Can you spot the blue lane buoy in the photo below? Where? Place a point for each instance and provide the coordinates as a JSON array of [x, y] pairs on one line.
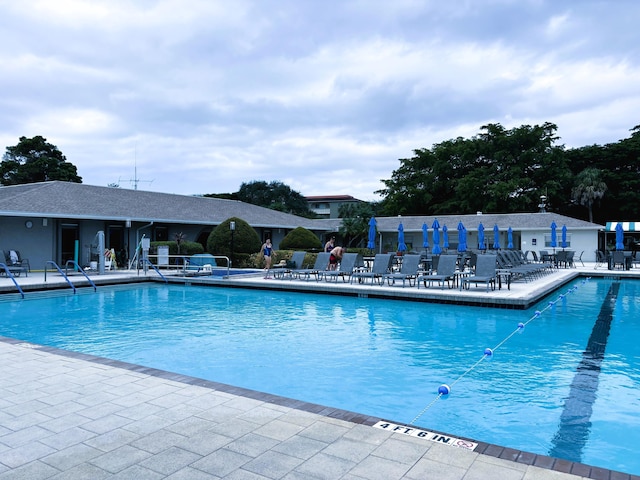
[[488, 352], [520, 325], [444, 389]]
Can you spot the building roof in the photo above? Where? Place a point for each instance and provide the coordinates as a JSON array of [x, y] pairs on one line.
[[81, 201], [332, 198], [517, 221]]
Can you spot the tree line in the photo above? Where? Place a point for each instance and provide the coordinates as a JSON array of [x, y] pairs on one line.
[[522, 169]]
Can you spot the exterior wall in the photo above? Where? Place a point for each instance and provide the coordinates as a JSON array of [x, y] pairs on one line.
[[35, 243], [581, 240]]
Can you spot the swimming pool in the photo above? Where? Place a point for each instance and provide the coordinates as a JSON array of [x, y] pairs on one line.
[[384, 358]]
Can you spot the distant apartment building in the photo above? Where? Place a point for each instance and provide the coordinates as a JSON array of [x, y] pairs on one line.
[[328, 206]]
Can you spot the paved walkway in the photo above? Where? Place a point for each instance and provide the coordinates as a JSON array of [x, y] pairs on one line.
[[65, 415]]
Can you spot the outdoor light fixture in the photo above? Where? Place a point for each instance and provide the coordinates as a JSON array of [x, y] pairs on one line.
[[232, 227]]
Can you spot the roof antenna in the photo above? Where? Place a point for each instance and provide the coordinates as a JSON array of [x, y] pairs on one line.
[[135, 180]]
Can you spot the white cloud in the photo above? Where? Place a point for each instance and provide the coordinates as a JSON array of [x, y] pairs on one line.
[[203, 95]]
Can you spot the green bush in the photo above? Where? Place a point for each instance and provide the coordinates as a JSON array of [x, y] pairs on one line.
[[245, 241], [300, 239], [186, 248]]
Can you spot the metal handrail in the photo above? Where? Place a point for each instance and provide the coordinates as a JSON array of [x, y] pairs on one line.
[[10, 275], [61, 273], [147, 261], [77, 267]]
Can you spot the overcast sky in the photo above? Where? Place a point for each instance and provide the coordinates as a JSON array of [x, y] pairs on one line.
[[325, 96]]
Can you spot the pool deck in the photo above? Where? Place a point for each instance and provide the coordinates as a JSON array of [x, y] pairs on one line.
[[66, 415]]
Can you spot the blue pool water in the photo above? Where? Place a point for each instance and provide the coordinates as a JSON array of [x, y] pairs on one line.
[[577, 360]]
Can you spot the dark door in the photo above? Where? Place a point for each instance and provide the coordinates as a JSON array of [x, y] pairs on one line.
[[70, 234]]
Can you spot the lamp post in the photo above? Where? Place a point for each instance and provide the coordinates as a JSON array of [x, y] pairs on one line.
[[232, 227]]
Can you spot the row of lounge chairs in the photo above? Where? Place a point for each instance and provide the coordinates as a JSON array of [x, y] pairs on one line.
[[382, 271], [485, 270]]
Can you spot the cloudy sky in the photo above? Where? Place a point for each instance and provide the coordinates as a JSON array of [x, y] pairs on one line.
[[198, 96]]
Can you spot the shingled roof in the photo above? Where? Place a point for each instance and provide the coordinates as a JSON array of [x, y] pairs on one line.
[[81, 201], [517, 221], [521, 222], [77, 200]]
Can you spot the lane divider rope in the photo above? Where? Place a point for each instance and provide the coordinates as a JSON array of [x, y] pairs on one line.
[[445, 389]]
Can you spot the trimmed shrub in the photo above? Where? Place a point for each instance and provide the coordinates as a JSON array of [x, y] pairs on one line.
[[245, 241], [300, 239]]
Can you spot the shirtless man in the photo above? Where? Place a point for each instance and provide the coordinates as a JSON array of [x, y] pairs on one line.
[[335, 256]]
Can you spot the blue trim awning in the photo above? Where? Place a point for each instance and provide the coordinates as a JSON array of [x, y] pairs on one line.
[[626, 226]]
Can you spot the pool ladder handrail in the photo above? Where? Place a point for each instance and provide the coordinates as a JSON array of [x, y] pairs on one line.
[[146, 261], [61, 273], [77, 267], [10, 275]]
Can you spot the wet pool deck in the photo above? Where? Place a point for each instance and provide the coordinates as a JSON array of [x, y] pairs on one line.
[[66, 415]]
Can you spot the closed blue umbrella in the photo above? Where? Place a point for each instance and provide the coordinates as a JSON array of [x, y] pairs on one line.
[[510, 237], [402, 247], [619, 237], [481, 244], [436, 237], [445, 237], [554, 235], [425, 236], [462, 238], [372, 234], [496, 237], [563, 243]]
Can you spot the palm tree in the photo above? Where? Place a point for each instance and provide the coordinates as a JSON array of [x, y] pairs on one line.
[[180, 237], [589, 188]]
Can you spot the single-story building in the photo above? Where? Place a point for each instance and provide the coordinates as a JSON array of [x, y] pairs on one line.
[[60, 221], [46, 220], [530, 231]]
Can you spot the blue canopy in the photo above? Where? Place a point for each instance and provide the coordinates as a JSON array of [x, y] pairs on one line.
[[510, 237], [619, 237], [481, 244], [402, 247], [563, 243], [462, 238], [496, 237], [425, 236], [436, 237], [445, 237], [554, 235], [372, 234]]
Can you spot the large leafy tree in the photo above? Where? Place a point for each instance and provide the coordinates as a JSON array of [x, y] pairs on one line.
[[275, 195], [619, 166], [35, 160], [589, 188], [497, 170]]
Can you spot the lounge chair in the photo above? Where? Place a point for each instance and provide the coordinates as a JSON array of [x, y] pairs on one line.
[[347, 266], [408, 271], [485, 273], [445, 272], [15, 263], [290, 266], [381, 265], [320, 265]]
